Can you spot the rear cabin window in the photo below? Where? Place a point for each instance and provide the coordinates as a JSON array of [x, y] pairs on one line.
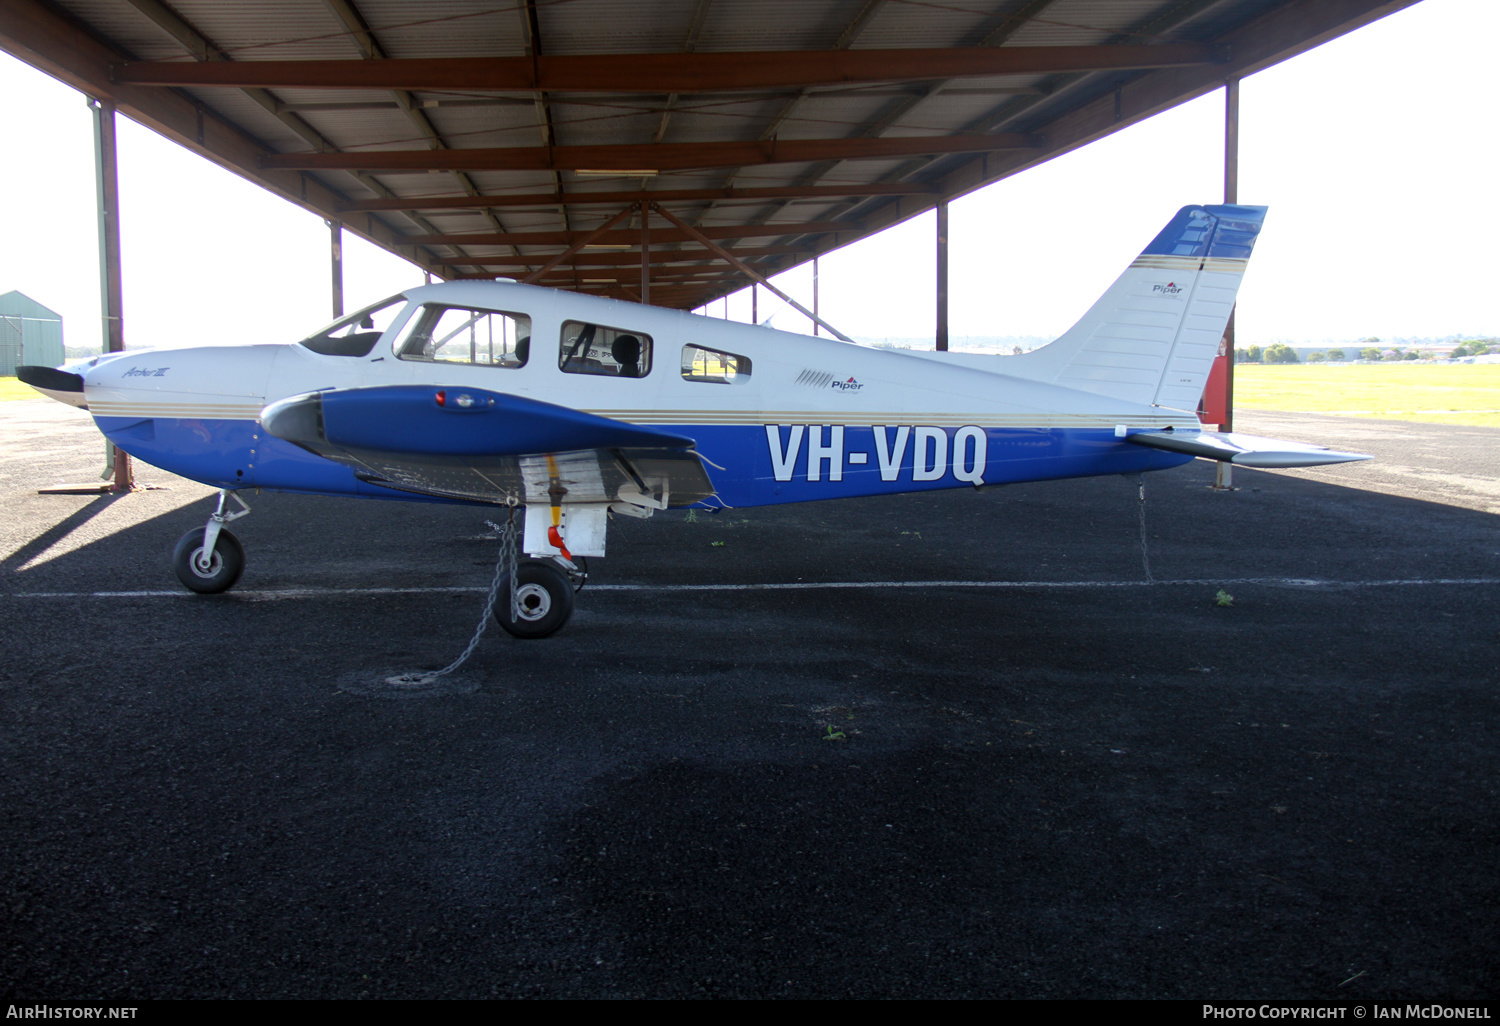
[[699, 364], [455, 334], [357, 334], [596, 349]]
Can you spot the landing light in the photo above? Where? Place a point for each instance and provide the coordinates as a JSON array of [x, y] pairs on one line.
[[442, 398]]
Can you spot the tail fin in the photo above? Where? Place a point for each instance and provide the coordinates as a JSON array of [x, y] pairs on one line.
[[1153, 336]]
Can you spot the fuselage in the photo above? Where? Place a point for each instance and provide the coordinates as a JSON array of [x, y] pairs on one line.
[[778, 417]]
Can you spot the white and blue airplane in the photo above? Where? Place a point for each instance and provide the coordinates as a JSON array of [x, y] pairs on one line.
[[578, 407]]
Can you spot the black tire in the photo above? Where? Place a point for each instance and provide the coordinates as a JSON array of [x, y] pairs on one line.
[[545, 596], [227, 565]]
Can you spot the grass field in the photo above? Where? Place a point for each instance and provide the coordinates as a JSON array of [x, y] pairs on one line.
[[10, 388], [1438, 393]]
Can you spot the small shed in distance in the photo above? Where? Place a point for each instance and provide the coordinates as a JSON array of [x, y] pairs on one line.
[[29, 334]]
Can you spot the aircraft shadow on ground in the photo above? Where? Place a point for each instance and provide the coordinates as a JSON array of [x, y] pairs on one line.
[[1089, 529]]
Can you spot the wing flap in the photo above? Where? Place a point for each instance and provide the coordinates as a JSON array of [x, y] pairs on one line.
[[1244, 450]]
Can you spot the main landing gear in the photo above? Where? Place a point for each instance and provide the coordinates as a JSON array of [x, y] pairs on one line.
[[211, 560], [544, 597]]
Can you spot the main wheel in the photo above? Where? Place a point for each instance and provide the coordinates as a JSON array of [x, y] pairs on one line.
[[223, 569], [544, 596]]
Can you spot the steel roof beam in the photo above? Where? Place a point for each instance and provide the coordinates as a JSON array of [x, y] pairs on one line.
[[993, 33], [700, 14], [668, 72], [876, 92], [628, 237], [651, 156], [659, 257], [369, 48], [548, 199], [620, 258]]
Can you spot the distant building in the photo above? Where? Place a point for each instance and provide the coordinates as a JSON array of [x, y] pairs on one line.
[[29, 334]]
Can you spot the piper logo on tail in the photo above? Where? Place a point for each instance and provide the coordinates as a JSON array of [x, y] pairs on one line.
[[1171, 288]]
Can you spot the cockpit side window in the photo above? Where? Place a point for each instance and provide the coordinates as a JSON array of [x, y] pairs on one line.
[[699, 364], [357, 334], [596, 349], [453, 334]]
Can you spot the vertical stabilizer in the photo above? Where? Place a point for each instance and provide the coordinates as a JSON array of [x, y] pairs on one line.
[[1153, 336]]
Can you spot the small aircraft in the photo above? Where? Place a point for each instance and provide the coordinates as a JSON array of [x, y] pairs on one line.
[[577, 408]]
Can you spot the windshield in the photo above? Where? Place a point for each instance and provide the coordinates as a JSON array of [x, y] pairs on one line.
[[357, 334]]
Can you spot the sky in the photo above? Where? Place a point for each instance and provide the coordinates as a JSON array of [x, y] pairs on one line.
[[1376, 153]]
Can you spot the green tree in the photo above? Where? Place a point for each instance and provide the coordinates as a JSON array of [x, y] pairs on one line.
[[1411, 354], [1336, 354], [1254, 354], [1369, 353], [1280, 353], [1316, 356]]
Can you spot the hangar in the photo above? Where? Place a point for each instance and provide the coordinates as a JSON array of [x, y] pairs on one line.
[[668, 152], [29, 333]]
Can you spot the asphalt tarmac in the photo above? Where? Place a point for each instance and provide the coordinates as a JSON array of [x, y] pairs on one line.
[[995, 762]]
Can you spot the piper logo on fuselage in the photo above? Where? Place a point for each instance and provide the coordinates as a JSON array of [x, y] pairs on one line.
[[930, 452], [846, 386]]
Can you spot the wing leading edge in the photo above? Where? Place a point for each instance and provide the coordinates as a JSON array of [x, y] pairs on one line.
[[473, 444]]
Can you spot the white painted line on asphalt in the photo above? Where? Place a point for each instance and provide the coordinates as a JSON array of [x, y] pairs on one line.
[[1218, 582]]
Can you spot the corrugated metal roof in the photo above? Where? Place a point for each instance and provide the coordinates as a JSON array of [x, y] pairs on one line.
[[527, 186]]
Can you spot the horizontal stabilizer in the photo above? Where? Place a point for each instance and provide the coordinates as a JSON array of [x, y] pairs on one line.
[[1244, 450]]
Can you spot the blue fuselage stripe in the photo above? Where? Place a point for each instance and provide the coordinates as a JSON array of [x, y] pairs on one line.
[[763, 465]]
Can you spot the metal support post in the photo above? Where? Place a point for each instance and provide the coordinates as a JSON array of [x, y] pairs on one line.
[[107, 194], [815, 295], [754, 303], [1224, 477], [942, 276], [645, 253], [336, 254]]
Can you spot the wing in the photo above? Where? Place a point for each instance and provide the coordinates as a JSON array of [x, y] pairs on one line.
[[469, 443]]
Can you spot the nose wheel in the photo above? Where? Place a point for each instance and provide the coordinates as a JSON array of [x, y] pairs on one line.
[[213, 573], [210, 561]]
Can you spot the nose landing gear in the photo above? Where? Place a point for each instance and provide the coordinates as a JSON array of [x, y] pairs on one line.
[[210, 561]]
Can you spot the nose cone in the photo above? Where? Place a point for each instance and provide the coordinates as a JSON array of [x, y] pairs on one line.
[[55, 383]]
